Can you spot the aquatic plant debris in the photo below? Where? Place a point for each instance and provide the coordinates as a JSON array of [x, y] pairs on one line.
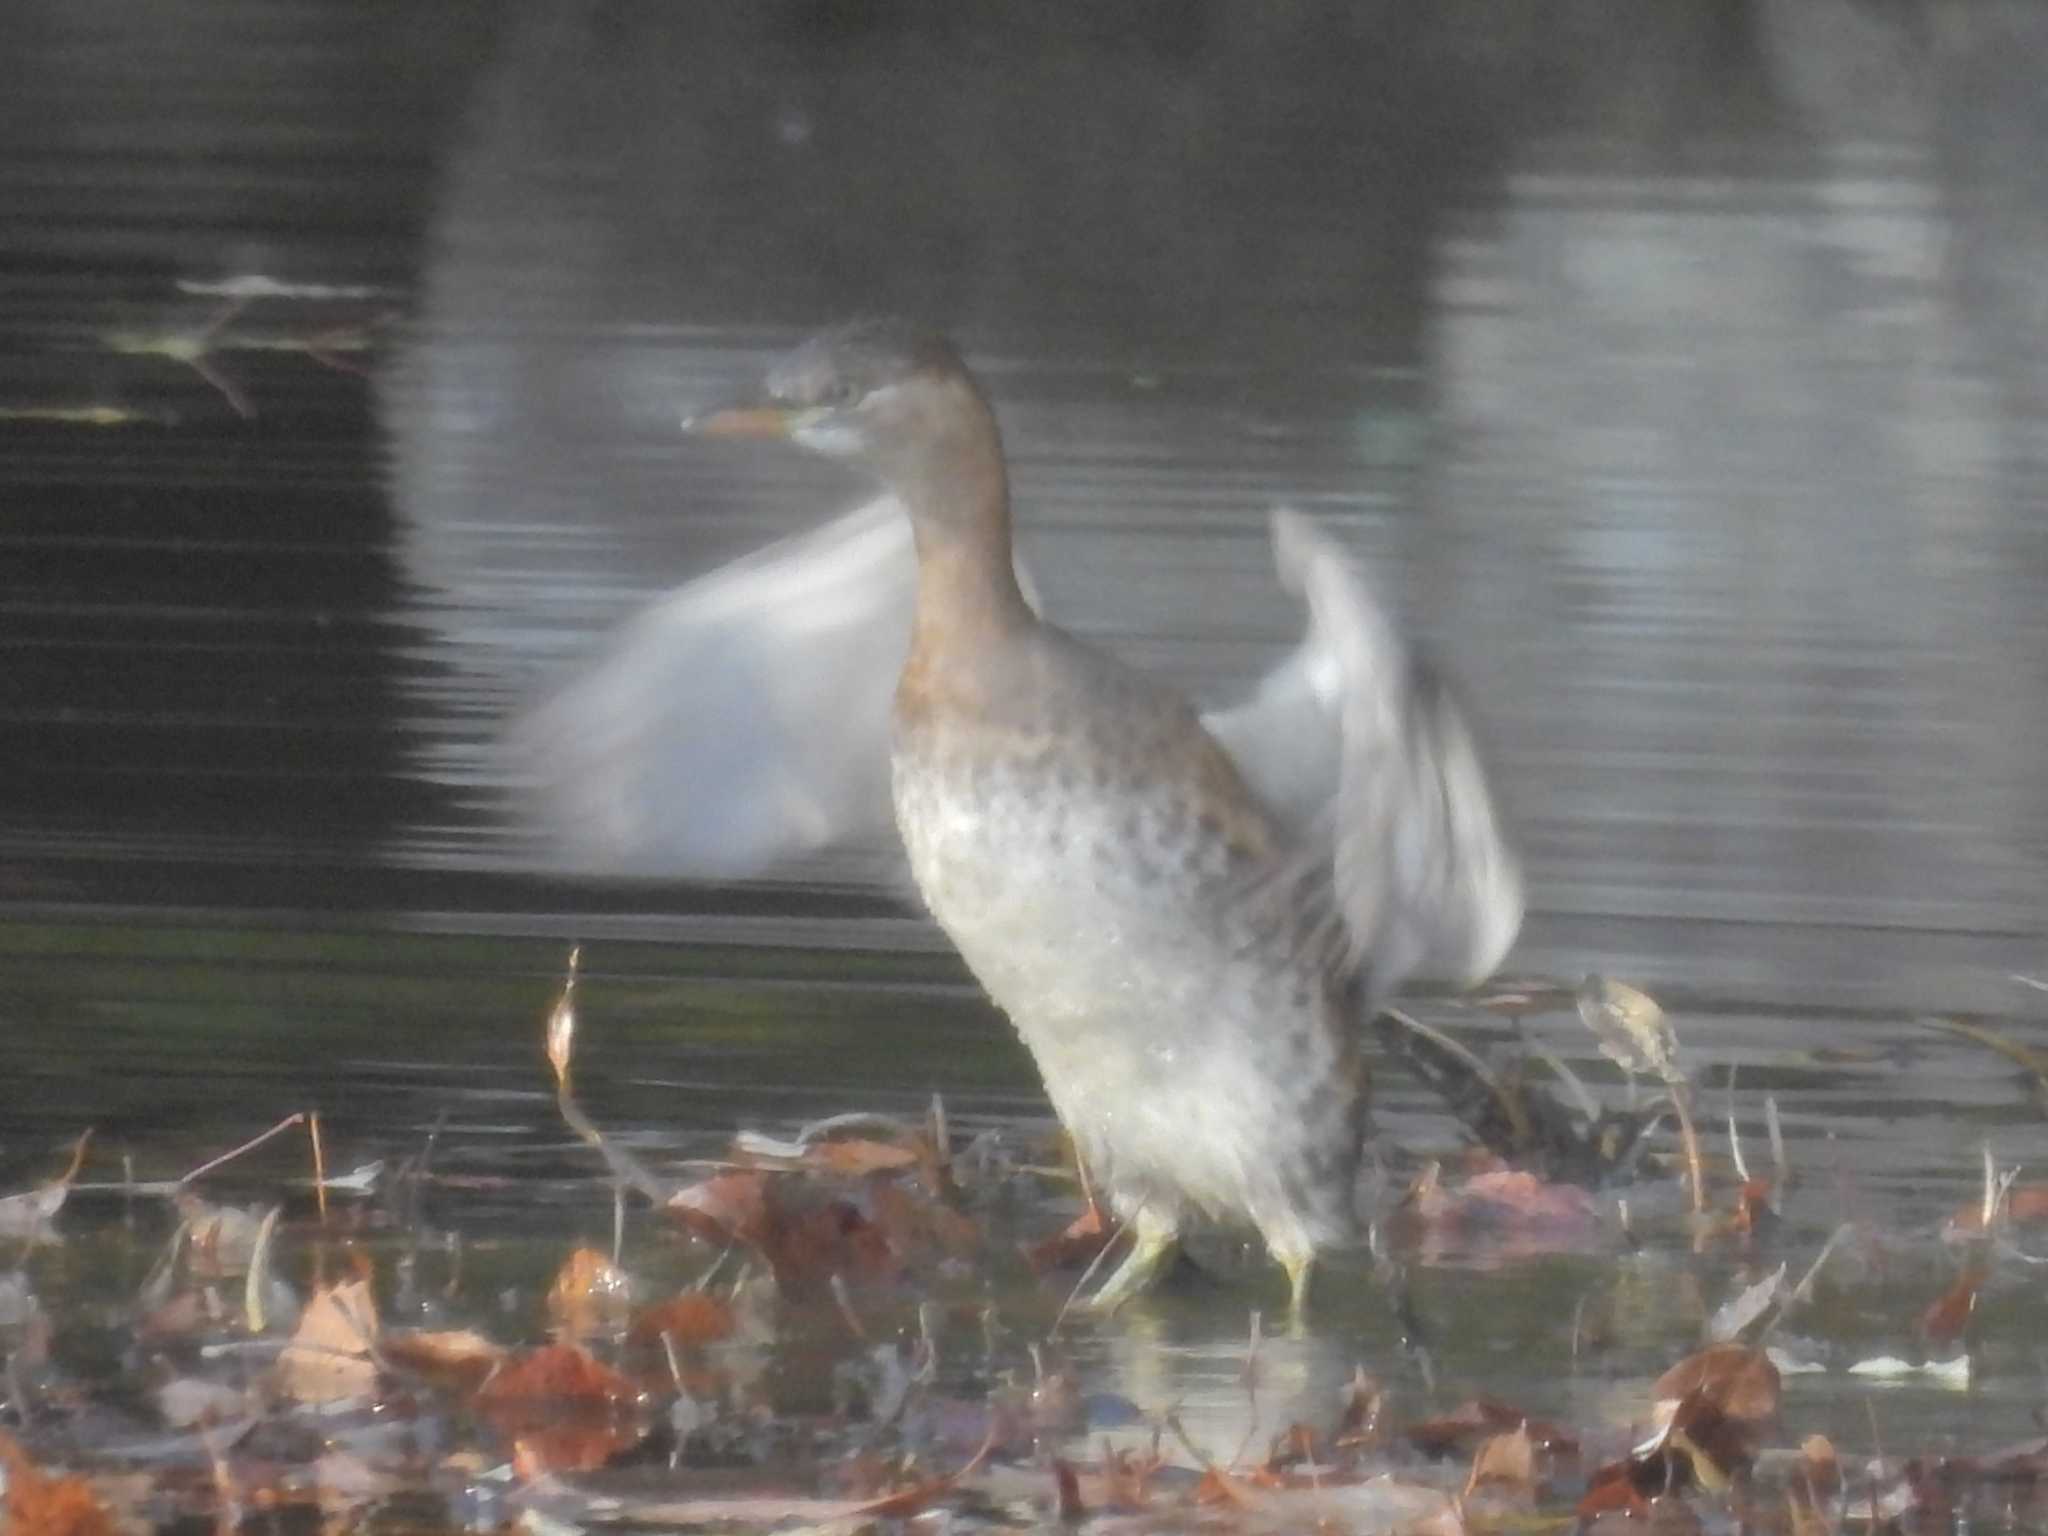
[[853, 1324]]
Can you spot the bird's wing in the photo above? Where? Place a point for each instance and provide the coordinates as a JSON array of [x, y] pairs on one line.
[[738, 722], [1353, 741]]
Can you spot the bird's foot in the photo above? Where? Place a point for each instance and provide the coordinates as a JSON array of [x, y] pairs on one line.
[[1299, 1267], [1152, 1249]]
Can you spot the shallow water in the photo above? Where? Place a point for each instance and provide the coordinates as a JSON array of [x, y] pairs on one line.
[[1684, 394]]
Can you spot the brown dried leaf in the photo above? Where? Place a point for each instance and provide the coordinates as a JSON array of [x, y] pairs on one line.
[[727, 1208], [329, 1357], [562, 1375], [1819, 1467], [1949, 1313], [38, 1504], [1219, 1487], [590, 1295], [1067, 1506], [563, 1410], [1506, 1463], [1479, 1418], [458, 1358], [1468, 1424], [919, 1227], [1075, 1245], [1364, 1403], [856, 1156], [813, 1243], [806, 1234], [693, 1317], [183, 1314], [2024, 1205], [1501, 1213], [1612, 1490], [1738, 1382], [1813, 1487]]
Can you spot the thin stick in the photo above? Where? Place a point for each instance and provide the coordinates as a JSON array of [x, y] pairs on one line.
[[248, 1146], [1691, 1141], [319, 1166], [1093, 1264]]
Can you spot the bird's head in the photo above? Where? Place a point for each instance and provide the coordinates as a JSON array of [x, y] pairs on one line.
[[887, 394]]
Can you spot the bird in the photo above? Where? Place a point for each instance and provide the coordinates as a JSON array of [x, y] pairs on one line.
[[1187, 918]]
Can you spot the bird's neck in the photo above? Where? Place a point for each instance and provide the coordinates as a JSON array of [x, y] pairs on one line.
[[958, 498]]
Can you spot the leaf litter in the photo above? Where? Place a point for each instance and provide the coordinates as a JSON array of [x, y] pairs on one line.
[[872, 1339]]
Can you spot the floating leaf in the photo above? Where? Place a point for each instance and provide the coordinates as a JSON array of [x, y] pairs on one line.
[[1949, 1313], [1080, 1242], [692, 1318], [1738, 1381], [461, 1358], [1505, 1464], [329, 1357], [1631, 1029], [1744, 1308], [39, 1504], [564, 1409], [590, 1295], [26, 1215]]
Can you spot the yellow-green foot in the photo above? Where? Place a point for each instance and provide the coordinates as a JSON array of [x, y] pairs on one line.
[[1299, 1267], [1152, 1249]]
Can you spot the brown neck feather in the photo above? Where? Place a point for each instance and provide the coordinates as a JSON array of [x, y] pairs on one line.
[[959, 503]]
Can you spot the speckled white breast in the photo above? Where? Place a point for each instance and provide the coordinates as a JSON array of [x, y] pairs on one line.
[[1175, 1043]]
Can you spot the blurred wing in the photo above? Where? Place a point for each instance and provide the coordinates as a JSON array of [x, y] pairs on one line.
[[1352, 740], [741, 721]]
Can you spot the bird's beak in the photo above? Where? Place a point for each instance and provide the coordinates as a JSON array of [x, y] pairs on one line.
[[748, 421]]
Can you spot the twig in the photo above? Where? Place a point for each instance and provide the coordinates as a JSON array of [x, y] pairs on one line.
[[319, 1166], [248, 1146]]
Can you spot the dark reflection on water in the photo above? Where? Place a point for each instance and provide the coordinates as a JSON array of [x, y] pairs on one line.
[[1677, 370]]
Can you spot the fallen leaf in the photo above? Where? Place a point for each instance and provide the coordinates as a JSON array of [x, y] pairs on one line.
[[919, 1228], [691, 1318], [1746, 1306], [856, 1156], [329, 1357], [1738, 1381], [220, 1239], [27, 1214], [458, 1358], [1630, 1028], [39, 1504], [805, 1235], [1479, 1418], [590, 1295], [1505, 1463], [1067, 1506], [1075, 1245], [1501, 1214], [727, 1208], [1359, 1422], [1612, 1490], [2024, 1205], [562, 1409], [560, 1374], [1949, 1313]]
